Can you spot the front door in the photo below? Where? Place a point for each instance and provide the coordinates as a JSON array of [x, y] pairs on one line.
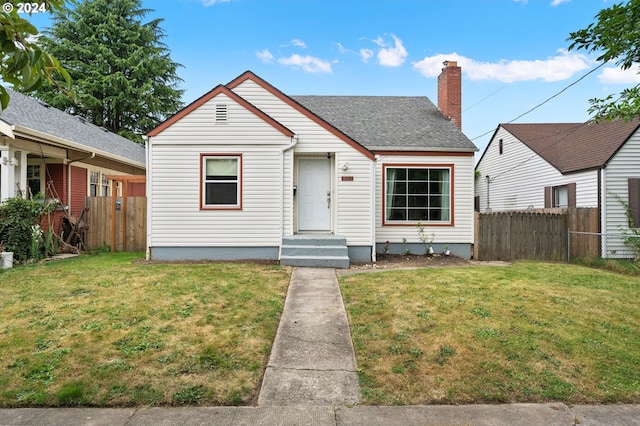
[[314, 194]]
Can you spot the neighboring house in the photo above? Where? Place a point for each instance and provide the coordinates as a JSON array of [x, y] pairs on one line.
[[45, 150], [564, 165], [246, 167]]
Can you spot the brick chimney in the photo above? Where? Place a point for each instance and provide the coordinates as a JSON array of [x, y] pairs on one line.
[[450, 92]]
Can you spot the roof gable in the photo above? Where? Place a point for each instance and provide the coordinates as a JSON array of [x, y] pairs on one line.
[[30, 114], [212, 94], [571, 147], [248, 75], [367, 123]]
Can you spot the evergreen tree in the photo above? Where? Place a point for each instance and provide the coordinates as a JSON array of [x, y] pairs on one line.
[[124, 78]]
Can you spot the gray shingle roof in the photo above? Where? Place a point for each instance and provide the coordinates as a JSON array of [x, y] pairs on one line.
[[36, 115], [396, 123]]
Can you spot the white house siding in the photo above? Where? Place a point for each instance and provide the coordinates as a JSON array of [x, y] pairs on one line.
[[458, 237], [518, 177], [174, 189], [352, 216], [624, 165]]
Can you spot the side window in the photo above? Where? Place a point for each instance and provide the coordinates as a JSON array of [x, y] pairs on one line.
[[104, 185], [94, 181], [221, 181], [33, 179], [634, 202], [560, 196]]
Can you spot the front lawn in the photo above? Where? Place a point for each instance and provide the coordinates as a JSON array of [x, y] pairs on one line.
[[110, 330], [528, 332]]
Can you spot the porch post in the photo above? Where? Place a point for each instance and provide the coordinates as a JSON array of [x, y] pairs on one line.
[[7, 173]]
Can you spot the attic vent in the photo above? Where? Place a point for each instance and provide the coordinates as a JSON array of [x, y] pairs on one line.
[[222, 114]]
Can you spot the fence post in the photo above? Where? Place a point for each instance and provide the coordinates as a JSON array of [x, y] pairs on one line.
[[568, 245]]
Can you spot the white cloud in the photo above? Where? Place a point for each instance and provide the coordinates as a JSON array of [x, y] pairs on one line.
[[307, 63], [619, 76], [555, 3], [555, 68], [298, 43], [366, 54], [390, 55], [208, 3], [265, 56]]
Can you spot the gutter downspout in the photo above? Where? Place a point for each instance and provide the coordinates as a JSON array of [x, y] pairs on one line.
[[488, 207], [602, 223], [92, 155], [294, 142], [374, 184], [147, 192]]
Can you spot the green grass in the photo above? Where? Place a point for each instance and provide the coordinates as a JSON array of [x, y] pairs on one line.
[[622, 266], [112, 330], [528, 332]]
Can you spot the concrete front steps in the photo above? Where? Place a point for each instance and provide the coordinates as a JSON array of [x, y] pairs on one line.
[[314, 250]]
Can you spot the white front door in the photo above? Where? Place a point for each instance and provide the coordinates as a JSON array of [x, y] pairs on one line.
[[314, 194]]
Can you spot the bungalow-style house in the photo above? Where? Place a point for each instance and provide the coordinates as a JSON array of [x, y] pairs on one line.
[[246, 171], [559, 165], [47, 151]]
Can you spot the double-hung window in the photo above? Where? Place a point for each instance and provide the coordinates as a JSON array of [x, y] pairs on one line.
[[94, 179], [104, 185], [560, 197], [33, 179], [418, 194], [221, 181]]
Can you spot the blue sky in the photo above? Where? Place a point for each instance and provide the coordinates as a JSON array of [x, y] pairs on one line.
[[513, 53]]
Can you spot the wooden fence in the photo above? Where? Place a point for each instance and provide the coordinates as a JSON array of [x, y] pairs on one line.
[[98, 224], [534, 235]]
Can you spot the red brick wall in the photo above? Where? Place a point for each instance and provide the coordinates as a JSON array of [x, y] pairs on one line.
[[450, 92]]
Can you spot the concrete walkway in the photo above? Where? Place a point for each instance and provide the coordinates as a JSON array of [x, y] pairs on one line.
[[312, 361]]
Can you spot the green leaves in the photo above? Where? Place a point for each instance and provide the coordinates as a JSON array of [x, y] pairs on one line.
[[23, 63], [616, 36]]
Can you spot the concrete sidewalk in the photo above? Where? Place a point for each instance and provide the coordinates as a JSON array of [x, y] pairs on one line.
[[495, 415], [312, 361]]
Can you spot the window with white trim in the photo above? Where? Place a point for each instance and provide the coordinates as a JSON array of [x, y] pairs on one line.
[[34, 179], [221, 183], [560, 196], [416, 193], [104, 185], [94, 183]]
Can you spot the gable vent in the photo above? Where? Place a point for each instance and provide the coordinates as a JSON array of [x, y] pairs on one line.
[[222, 114]]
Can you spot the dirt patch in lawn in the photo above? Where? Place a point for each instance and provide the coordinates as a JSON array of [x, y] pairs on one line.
[[404, 261]]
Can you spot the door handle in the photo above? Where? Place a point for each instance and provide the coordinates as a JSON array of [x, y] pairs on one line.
[[328, 199]]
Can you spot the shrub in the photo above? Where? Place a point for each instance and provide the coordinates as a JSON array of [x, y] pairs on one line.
[[18, 217]]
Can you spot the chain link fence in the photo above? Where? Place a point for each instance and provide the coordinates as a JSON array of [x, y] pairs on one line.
[[606, 246]]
